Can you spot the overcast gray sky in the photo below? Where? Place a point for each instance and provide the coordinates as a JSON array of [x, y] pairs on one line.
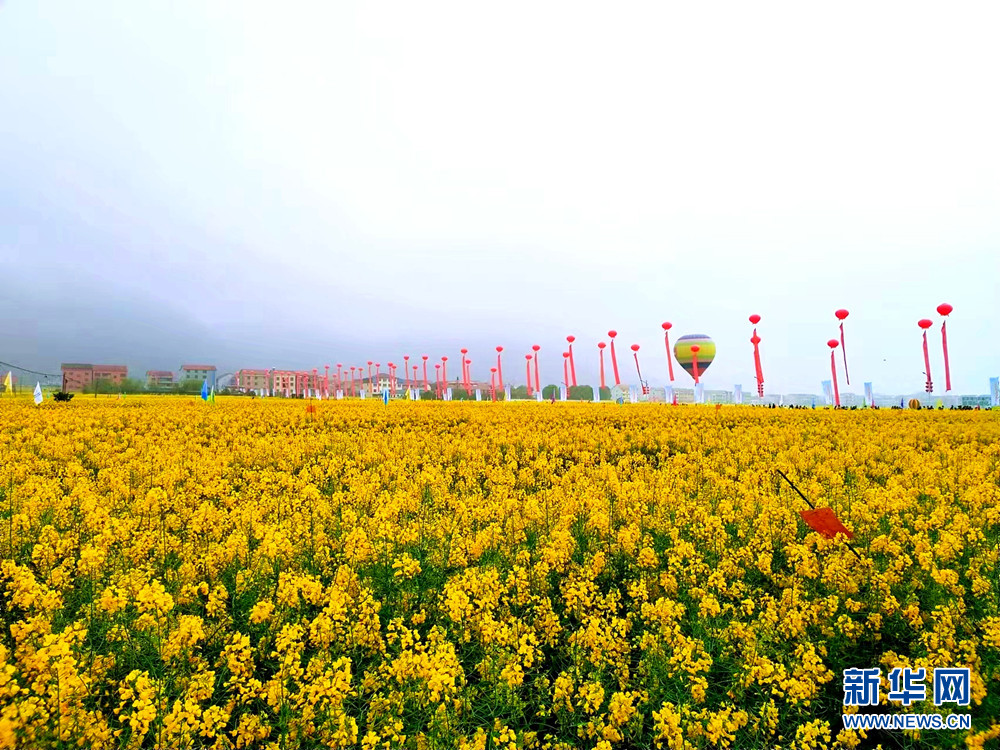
[[293, 184]]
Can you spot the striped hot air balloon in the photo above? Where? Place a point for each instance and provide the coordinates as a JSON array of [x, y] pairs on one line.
[[694, 353]]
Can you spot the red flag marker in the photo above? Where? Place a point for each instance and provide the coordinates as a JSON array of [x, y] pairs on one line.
[[499, 368], [821, 520], [527, 371], [824, 521]]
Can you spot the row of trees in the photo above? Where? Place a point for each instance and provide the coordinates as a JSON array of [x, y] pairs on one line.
[[135, 385]]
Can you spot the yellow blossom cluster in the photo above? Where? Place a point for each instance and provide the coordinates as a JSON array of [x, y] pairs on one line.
[[457, 575]]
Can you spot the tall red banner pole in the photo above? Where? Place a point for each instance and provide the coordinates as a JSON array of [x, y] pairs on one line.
[[406, 370], [426, 384], [572, 364], [635, 353], [600, 348], [493, 384], [944, 310], [759, 371], [527, 372], [694, 361], [444, 375], [833, 343], [499, 368], [340, 376], [842, 316], [666, 341], [925, 324], [538, 386], [566, 372], [614, 359], [465, 376]]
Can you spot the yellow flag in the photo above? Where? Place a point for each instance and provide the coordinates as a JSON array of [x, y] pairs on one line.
[[8, 382]]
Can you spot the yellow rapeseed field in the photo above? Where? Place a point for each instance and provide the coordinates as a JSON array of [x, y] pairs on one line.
[[446, 575]]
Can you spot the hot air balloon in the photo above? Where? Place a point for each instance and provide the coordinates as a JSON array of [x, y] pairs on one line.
[[694, 352], [944, 310]]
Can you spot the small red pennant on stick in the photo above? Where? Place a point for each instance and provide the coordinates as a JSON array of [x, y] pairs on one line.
[[824, 521]]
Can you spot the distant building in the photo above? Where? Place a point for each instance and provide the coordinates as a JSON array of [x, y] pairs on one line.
[[76, 377], [981, 401], [251, 380], [803, 399], [159, 378], [718, 397], [200, 373], [851, 399]]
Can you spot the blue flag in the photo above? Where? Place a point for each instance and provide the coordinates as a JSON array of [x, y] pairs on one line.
[[204, 390]]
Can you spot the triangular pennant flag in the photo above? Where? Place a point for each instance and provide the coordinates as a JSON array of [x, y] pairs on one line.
[[824, 521], [204, 390], [38, 393]]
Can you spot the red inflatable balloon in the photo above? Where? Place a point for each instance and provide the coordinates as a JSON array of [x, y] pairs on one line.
[[755, 319], [924, 323], [841, 314], [666, 326], [635, 347], [833, 343], [944, 309]]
